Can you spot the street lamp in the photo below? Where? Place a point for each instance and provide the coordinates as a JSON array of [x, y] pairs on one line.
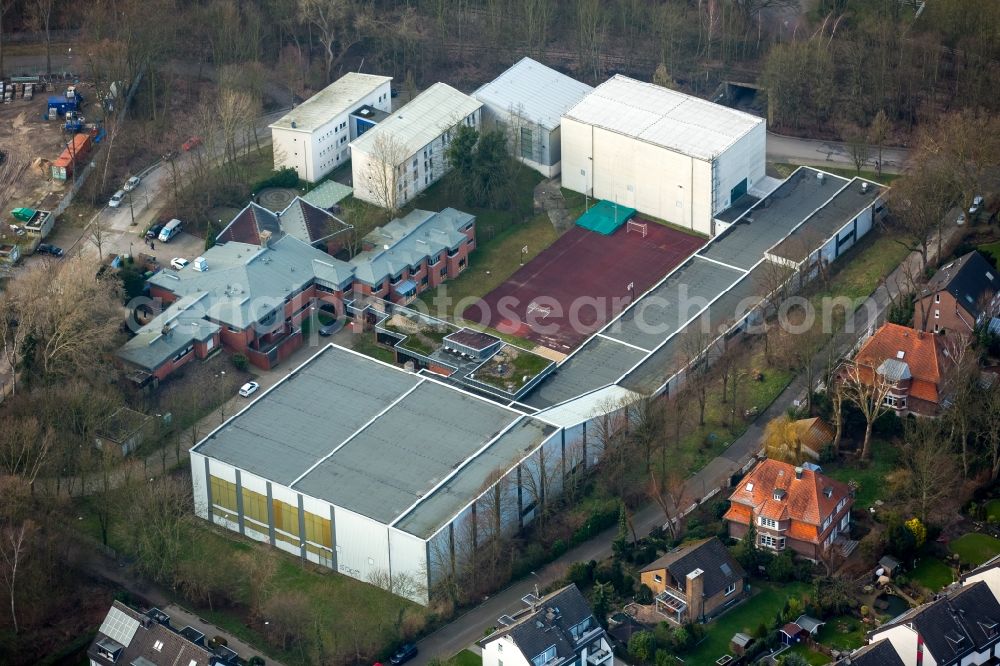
[[131, 210], [524, 251]]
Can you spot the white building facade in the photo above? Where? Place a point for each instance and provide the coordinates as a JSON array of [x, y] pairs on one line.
[[380, 474], [314, 137], [666, 154], [526, 102], [405, 153]]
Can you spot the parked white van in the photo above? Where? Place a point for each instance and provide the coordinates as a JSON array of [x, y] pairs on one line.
[[170, 229]]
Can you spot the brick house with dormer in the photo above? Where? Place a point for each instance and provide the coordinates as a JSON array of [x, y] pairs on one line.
[[791, 508], [914, 362], [960, 296]]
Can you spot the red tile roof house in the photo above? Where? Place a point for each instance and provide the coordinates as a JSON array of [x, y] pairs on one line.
[[914, 361], [791, 508], [959, 297]]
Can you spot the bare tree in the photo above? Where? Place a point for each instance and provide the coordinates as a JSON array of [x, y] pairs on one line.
[[24, 447], [694, 347], [927, 465], [384, 171], [260, 566], [339, 26], [867, 389], [39, 15], [988, 427], [14, 543], [860, 151], [877, 134], [160, 514], [919, 202]]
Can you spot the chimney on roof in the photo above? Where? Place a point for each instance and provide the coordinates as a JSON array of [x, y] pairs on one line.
[[798, 472], [265, 238], [920, 334], [695, 594]]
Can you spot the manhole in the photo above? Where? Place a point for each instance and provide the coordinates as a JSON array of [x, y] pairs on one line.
[[276, 198]]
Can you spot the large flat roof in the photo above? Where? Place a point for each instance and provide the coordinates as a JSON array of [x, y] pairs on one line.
[[773, 217], [641, 348], [376, 440], [828, 220], [339, 97], [667, 118], [422, 120], [533, 91]]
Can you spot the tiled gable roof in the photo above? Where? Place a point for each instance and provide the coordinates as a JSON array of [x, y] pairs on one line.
[[710, 555], [968, 279], [150, 643], [248, 224], [880, 653], [922, 352], [805, 499]]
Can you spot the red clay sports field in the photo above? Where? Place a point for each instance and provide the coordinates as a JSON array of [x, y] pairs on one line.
[[581, 282]]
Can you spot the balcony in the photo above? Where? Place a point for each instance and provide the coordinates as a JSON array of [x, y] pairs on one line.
[[600, 657]]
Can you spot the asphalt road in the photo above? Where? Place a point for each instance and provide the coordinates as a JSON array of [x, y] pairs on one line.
[[814, 152]]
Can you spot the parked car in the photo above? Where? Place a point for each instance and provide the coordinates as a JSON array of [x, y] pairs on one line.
[[191, 143], [179, 263], [329, 329], [45, 248], [405, 653], [249, 389], [961, 219], [116, 199], [154, 231], [977, 204], [131, 183], [169, 230]]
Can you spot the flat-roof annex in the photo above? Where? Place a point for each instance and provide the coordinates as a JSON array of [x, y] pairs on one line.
[[533, 91], [663, 117], [375, 439], [339, 97], [422, 120]]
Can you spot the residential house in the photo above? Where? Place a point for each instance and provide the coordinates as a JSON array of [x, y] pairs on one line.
[[791, 508], [912, 361], [130, 638], [556, 630], [527, 102], [960, 627], [314, 137], [959, 297], [695, 582], [404, 154], [301, 219]]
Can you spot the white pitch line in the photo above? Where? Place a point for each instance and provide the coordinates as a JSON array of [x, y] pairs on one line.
[[716, 261], [627, 344]]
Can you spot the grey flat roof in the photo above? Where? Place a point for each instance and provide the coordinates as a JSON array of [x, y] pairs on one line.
[[308, 413], [536, 92], [844, 207], [660, 312], [340, 96], [375, 439], [438, 508], [772, 218], [730, 307], [405, 452], [597, 363]]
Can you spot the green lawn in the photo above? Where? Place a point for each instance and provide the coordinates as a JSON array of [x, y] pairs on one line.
[[993, 509], [767, 600], [975, 548], [493, 261], [861, 268], [842, 633], [992, 248], [870, 477], [932, 574], [364, 343], [466, 658], [886, 178], [811, 656]]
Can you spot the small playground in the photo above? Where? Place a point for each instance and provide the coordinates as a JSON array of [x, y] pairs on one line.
[[584, 279]]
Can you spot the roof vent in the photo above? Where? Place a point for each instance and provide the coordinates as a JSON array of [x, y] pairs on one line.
[[864, 188], [294, 125], [798, 472], [779, 494], [900, 354], [750, 487], [820, 177]]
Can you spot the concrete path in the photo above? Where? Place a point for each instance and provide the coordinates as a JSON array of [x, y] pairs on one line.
[[815, 152], [469, 627], [549, 197]]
